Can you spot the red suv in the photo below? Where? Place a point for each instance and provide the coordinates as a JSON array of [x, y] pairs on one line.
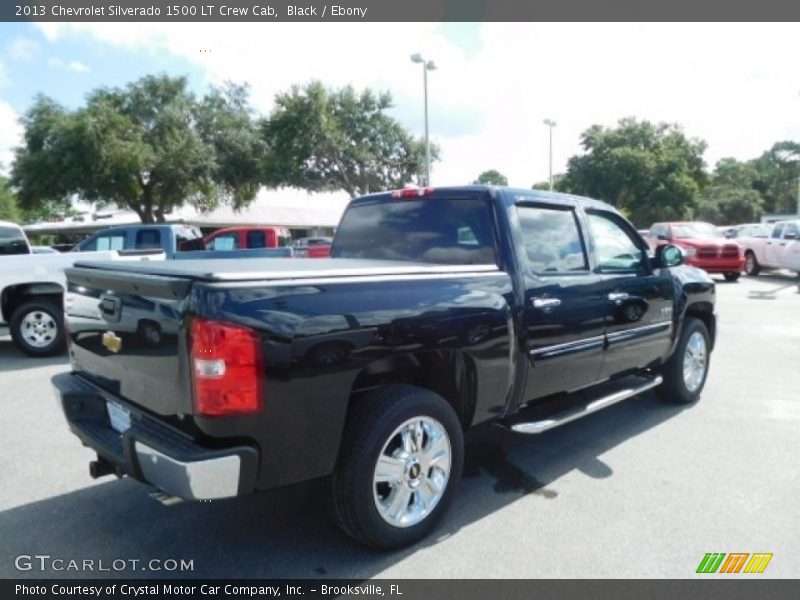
[[703, 246]]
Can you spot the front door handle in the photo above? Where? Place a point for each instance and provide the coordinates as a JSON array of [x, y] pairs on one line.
[[546, 302], [618, 296]]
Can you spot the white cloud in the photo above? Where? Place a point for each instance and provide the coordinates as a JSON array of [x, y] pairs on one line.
[[10, 135], [22, 49], [487, 106], [71, 65]]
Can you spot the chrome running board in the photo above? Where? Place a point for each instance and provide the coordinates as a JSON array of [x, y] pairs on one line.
[[572, 414]]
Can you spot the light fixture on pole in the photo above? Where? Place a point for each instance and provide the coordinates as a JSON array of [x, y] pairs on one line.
[[427, 65], [550, 123]]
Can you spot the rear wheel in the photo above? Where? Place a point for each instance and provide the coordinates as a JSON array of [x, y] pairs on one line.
[[399, 467], [751, 266], [731, 276], [37, 328], [686, 370], [150, 334]]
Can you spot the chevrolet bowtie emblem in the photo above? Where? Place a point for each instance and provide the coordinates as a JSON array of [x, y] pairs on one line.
[[112, 341]]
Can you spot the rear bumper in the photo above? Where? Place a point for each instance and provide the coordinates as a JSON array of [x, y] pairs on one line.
[[153, 451]]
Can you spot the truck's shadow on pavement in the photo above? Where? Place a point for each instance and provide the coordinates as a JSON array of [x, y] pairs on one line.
[[12, 359], [287, 533]]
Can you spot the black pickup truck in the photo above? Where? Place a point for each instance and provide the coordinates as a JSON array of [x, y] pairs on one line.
[[440, 309]]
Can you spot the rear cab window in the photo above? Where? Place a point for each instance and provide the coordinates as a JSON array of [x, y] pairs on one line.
[[12, 241], [452, 231]]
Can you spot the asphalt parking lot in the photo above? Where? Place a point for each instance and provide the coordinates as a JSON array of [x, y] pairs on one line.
[[642, 489]]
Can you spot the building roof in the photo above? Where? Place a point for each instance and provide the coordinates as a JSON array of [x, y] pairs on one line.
[[288, 207]]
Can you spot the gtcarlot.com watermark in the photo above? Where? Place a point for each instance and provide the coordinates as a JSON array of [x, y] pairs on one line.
[[48, 563]]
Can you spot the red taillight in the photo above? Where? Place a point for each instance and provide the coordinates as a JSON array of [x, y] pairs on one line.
[[412, 192], [227, 368]]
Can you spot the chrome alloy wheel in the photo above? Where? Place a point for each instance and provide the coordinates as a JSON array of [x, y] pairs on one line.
[[39, 329], [412, 471], [695, 361]]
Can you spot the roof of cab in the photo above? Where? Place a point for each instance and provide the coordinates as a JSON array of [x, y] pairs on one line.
[[509, 195]]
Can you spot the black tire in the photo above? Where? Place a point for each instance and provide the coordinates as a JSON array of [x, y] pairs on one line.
[[52, 337], [751, 266], [732, 276], [368, 433], [675, 388]]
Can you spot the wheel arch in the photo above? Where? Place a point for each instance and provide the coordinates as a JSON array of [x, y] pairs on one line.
[[449, 373], [13, 296], [704, 311]]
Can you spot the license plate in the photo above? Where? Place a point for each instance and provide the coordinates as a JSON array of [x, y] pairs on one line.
[[119, 416]]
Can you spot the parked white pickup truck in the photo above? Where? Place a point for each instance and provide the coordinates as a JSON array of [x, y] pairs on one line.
[[781, 250], [32, 290]]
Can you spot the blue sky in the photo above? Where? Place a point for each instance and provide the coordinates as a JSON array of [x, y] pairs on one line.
[[494, 85], [70, 68]]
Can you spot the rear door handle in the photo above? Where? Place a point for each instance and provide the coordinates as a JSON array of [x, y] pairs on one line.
[[546, 302], [618, 296]]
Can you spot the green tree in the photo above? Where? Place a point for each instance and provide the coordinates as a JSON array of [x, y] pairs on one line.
[[8, 203], [779, 177], [648, 171], [150, 147], [730, 197], [322, 139], [491, 177]]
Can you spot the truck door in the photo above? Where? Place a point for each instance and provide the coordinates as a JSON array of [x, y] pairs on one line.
[[564, 302], [788, 247], [772, 247], [638, 300]]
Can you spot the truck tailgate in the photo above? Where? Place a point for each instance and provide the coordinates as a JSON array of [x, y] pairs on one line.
[[124, 335]]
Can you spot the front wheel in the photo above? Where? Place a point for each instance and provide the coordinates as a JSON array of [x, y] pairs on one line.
[[751, 266], [686, 370], [731, 276], [400, 465], [37, 328]]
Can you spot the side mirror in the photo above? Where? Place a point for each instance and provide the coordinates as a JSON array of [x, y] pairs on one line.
[[662, 237], [668, 256], [790, 236]]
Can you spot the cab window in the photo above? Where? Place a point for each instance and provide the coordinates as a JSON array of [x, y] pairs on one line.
[[104, 242], [552, 239], [256, 239], [777, 233], [227, 241], [148, 239], [614, 245], [12, 241]]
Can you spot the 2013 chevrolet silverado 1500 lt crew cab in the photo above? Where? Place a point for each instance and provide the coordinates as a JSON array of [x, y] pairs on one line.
[[440, 309]]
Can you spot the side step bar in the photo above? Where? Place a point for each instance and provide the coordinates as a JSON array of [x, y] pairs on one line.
[[558, 419]]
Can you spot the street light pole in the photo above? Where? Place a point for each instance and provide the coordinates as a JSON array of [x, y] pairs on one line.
[[427, 65], [550, 123]]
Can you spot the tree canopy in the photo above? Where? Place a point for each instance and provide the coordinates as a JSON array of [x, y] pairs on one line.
[[8, 203], [730, 196], [491, 177], [779, 177], [648, 171], [151, 147], [323, 139]]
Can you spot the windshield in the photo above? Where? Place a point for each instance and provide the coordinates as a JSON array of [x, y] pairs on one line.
[[695, 230], [453, 231], [754, 231]]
